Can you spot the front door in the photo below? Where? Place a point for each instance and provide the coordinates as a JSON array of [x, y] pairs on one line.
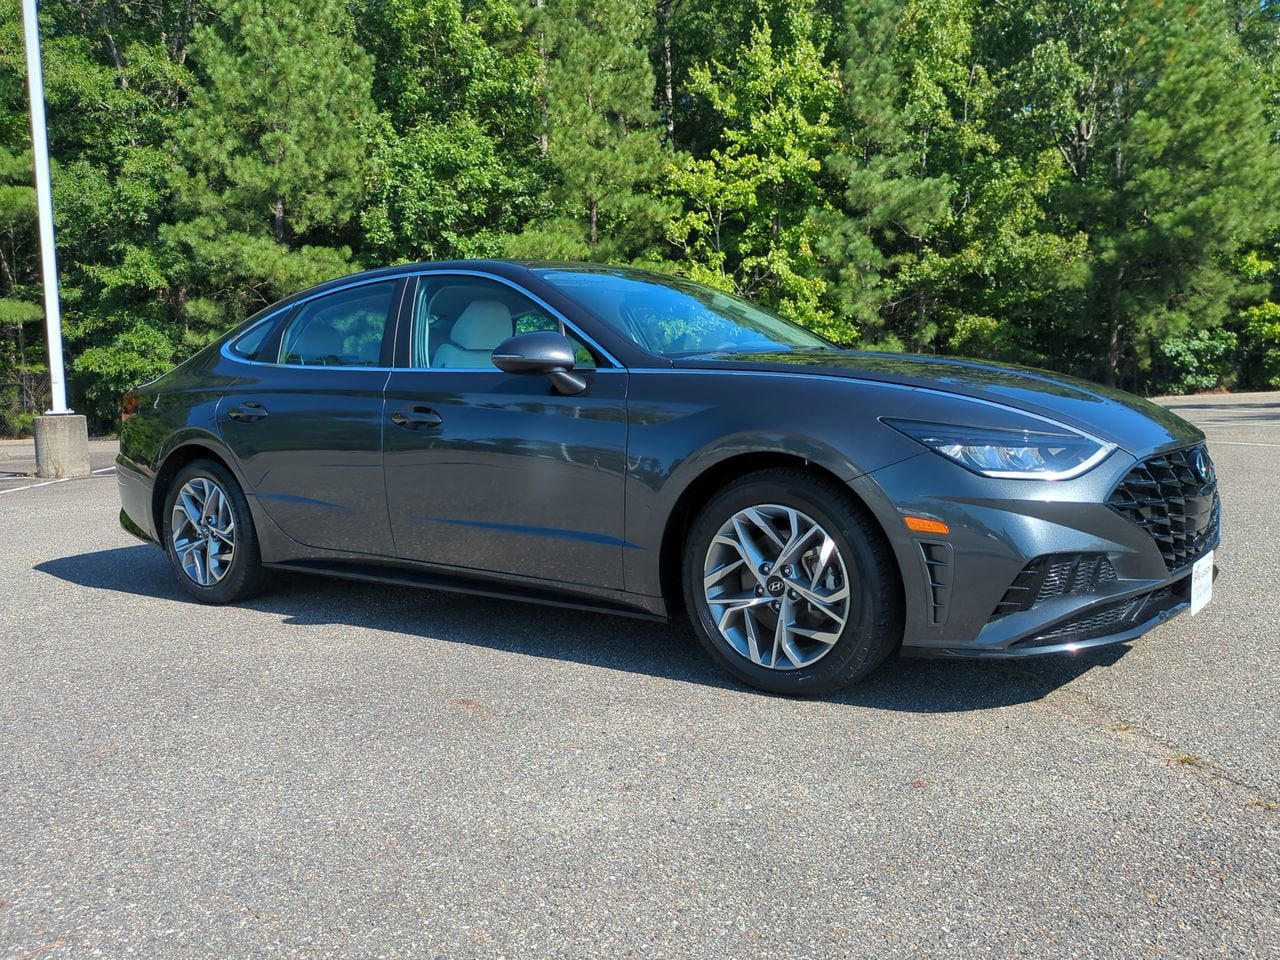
[[498, 472]]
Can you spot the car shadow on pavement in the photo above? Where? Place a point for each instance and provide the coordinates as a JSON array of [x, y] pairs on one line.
[[616, 643]]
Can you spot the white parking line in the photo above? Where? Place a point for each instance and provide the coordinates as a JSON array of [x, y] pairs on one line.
[[1243, 443], [32, 486], [49, 483]]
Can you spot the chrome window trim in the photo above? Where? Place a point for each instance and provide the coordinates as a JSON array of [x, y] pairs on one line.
[[275, 315], [589, 341]]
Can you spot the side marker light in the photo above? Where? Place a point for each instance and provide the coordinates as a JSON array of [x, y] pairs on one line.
[[923, 525]]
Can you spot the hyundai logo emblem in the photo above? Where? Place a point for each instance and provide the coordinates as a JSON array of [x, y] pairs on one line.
[[1202, 466]]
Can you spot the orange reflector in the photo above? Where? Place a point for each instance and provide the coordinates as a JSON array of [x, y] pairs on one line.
[[921, 525]]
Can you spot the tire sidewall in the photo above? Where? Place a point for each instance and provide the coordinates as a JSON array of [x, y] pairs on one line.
[[856, 652]]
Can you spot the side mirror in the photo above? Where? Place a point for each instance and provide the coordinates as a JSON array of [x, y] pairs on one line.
[[543, 351]]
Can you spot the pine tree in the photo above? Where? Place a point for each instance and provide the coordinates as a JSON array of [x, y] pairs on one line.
[[1168, 165], [457, 164], [275, 151], [891, 203], [748, 221], [600, 132]]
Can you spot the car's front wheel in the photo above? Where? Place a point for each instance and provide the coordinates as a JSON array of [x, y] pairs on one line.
[[209, 535], [790, 584]]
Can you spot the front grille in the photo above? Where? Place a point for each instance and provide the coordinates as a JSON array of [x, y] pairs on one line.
[[1055, 575], [1110, 619], [1174, 498]]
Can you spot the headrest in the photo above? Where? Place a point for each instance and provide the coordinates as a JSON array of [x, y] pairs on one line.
[[318, 340], [483, 325]]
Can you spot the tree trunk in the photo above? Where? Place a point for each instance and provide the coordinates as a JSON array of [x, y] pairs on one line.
[[595, 220], [668, 77], [544, 139], [277, 220], [1109, 375]]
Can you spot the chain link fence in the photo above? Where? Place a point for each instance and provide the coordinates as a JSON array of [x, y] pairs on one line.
[[23, 397]]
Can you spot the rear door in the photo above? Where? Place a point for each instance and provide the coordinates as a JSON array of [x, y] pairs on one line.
[[306, 425], [498, 472]]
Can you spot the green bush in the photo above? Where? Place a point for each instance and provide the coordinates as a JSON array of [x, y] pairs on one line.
[[1194, 362], [1260, 349]]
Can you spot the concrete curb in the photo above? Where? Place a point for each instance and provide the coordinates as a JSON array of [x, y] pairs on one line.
[[17, 449], [26, 449]]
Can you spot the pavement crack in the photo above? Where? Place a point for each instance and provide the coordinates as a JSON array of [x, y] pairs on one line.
[[1080, 706]]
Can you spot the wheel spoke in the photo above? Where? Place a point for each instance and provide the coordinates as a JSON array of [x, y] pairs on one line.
[[822, 636], [214, 505], [780, 632], [824, 603], [740, 601], [753, 514], [825, 553], [747, 547], [753, 637], [720, 572], [798, 540], [194, 510], [195, 564]]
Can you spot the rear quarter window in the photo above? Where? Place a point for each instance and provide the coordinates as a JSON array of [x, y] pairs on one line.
[[248, 346]]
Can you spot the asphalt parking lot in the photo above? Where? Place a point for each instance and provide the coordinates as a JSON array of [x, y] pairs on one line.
[[344, 770]]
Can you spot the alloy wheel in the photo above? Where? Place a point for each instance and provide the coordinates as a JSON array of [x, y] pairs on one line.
[[203, 531], [777, 587]]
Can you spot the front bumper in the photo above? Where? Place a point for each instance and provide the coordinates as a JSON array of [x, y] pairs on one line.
[[1118, 622], [1039, 567]]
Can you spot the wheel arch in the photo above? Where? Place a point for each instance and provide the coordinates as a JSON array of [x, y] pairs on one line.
[[698, 492], [174, 460]]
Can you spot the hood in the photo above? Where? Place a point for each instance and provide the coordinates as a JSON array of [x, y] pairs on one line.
[[1130, 422]]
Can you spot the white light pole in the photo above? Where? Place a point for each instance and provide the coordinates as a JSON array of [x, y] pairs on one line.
[[62, 441]]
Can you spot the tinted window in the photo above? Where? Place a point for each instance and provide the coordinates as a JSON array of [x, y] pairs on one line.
[[343, 329], [457, 321], [672, 316], [249, 345]]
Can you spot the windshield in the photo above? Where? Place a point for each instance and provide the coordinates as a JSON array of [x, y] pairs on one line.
[[673, 317]]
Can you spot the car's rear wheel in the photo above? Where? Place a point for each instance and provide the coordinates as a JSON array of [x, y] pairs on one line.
[[209, 535], [790, 584]]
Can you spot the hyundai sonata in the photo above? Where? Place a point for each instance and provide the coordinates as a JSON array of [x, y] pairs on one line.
[[638, 444]]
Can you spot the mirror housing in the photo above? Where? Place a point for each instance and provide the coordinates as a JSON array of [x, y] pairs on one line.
[[542, 351]]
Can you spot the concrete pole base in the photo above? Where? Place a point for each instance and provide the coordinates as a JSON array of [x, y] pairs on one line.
[[62, 446]]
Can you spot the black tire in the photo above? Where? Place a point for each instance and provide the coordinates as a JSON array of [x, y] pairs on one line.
[[872, 628], [242, 576]]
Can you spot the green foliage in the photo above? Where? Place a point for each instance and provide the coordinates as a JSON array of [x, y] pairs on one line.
[[598, 133], [1194, 362], [748, 221], [455, 167], [1091, 186], [277, 143], [1262, 356], [1166, 154]]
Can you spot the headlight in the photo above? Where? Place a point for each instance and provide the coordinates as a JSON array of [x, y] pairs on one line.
[[1048, 454]]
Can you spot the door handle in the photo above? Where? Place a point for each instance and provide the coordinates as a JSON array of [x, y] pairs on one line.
[[250, 411], [415, 418]]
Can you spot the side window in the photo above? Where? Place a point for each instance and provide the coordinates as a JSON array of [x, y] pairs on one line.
[[250, 344], [343, 329], [457, 321]]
